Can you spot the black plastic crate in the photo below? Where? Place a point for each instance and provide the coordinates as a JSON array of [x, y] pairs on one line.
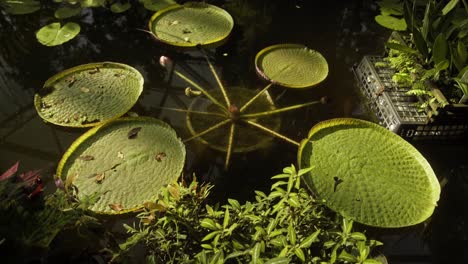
[[398, 112]]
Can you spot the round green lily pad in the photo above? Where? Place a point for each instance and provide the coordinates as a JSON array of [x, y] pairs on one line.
[[246, 138], [89, 94], [291, 65], [369, 174], [54, 34], [127, 161], [191, 24]]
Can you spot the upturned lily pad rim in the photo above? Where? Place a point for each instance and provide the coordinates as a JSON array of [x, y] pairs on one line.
[[433, 182], [264, 51], [210, 44], [88, 134], [79, 68]]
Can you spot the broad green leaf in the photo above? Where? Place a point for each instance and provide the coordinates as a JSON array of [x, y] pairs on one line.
[[191, 24], [234, 203], [426, 21], [66, 12], [420, 43], [20, 7], [371, 261], [358, 236], [291, 65], [211, 235], [156, 5], [226, 219], [209, 224], [309, 240], [462, 52], [255, 253], [390, 7], [345, 256], [120, 8], [89, 94], [278, 260], [300, 254], [366, 157], [218, 258], [54, 34], [293, 201], [123, 169], [402, 48], [391, 22], [442, 65], [440, 49], [292, 234], [236, 254], [450, 5]]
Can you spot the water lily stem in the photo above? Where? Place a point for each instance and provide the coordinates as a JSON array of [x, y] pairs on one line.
[[192, 112], [271, 132], [255, 97], [198, 87], [279, 110], [208, 130], [229, 146], [218, 80]]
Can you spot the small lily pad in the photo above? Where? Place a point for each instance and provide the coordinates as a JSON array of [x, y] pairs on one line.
[[54, 34], [120, 8], [21, 7], [191, 24], [66, 12], [89, 94], [291, 65], [369, 174], [127, 173], [155, 5]]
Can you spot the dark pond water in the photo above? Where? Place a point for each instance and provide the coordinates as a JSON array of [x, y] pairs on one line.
[[343, 31]]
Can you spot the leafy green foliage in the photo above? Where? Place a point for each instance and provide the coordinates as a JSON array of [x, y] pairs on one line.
[[28, 221], [20, 7], [285, 226]]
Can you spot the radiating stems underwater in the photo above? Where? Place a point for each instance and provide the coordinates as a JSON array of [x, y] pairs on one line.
[[271, 132], [198, 87], [218, 80], [280, 110], [255, 97], [229, 146], [191, 111], [208, 130]]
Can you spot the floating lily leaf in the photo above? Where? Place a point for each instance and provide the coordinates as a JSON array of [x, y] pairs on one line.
[[120, 8], [391, 22], [133, 180], [92, 3], [66, 12], [191, 24], [53, 34], [155, 5], [291, 65], [20, 7], [88, 94], [369, 174], [246, 138]]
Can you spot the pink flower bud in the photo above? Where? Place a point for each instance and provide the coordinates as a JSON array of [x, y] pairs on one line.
[[165, 61]]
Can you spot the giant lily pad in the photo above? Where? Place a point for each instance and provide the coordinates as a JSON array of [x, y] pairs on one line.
[[246, 138], [54, 34], [291, 65], [191, 24], [369, 174], [127, 161], [89, 94]]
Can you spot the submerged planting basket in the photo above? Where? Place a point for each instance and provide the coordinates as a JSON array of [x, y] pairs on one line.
[[398, 112]]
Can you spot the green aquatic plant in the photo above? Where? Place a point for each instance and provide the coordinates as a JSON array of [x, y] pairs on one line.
[[367, 173], [29, 219], [127, 161], [233, 113], [191, 24], [89, 94], [286, 225], [54, 34], [291, 65]]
